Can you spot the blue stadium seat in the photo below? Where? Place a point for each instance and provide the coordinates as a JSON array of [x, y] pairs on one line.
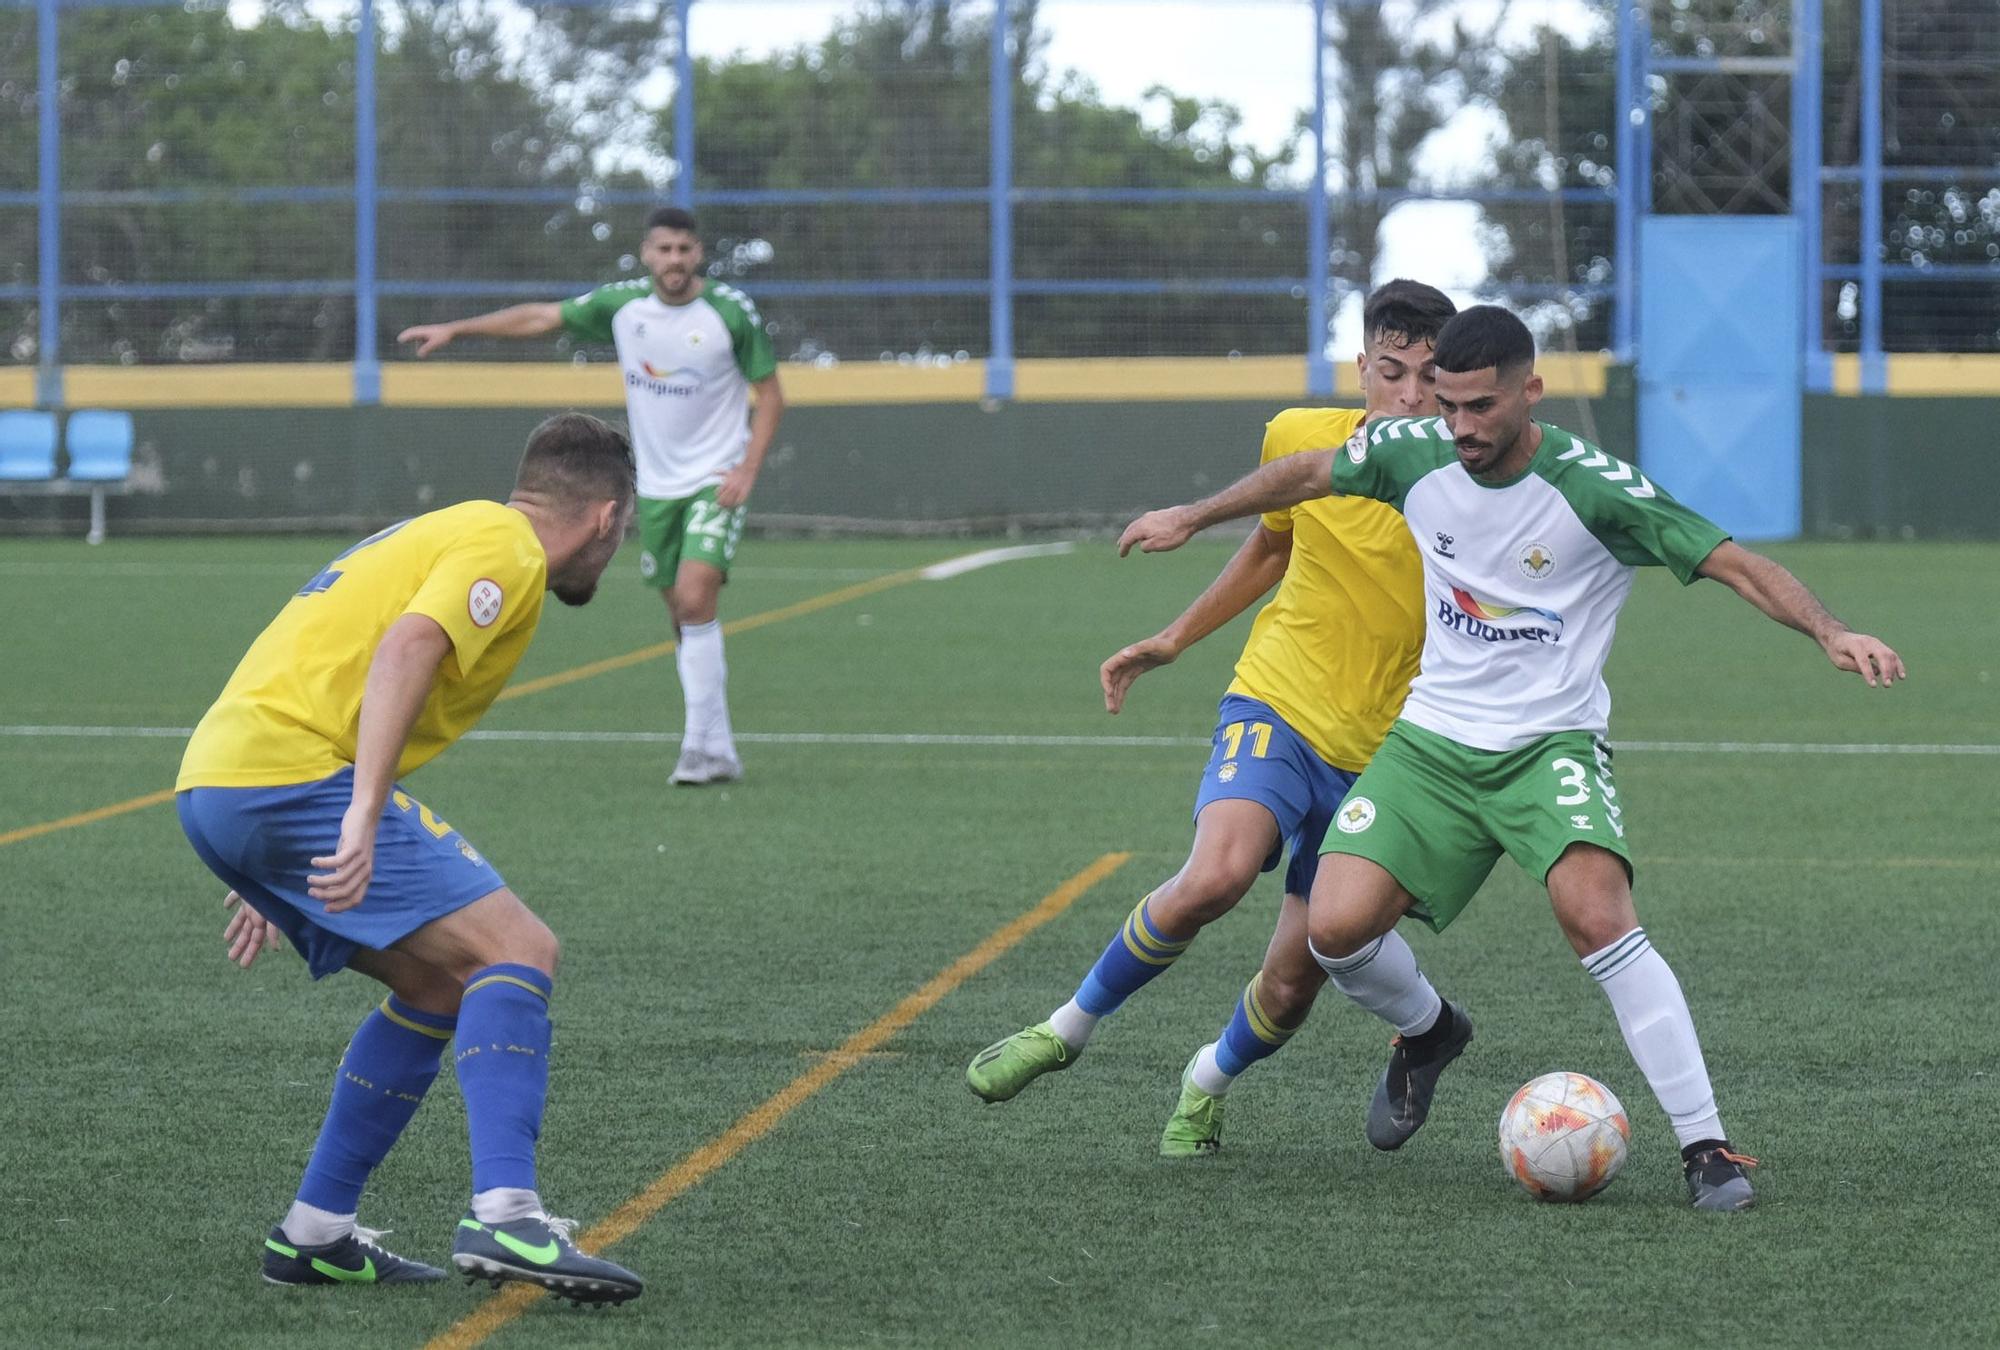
[[27, 446], [100, 445]]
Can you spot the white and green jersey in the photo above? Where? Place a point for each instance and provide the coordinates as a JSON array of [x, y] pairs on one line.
[[1523, 580], [688, 370]]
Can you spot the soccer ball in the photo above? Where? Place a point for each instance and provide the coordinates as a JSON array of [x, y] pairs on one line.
[[1563, 1137]]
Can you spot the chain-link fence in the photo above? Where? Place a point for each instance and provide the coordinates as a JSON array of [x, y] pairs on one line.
[[297, 180]]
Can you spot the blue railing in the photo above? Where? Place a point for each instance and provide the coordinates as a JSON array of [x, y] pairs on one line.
[[1637, 65]]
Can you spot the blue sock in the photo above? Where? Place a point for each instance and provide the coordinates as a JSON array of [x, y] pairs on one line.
[[1135, 956], [1251, 1034], [503, 1072], [388, 1065]]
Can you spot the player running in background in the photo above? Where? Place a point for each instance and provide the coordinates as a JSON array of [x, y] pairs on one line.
[[288, 791], [691, 350], [1325, 668], [1530, 538]]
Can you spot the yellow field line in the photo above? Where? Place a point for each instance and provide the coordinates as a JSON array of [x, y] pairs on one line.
[[584, 672], [697, 1166], [85, 818], [743, 625]]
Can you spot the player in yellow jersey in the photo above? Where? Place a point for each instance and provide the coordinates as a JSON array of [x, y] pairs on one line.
[[1321, 679], [288, 791]]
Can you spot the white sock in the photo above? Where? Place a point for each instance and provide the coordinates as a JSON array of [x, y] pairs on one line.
[[1383, 978], [705, 686], [1208, 1075], [309, 1226], [1653, 1015], [504, 1204], [1073, 1025]]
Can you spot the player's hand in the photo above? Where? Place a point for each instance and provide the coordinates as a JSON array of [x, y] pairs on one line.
[[1158, 531], [248, 934], [428, 336], [734, 489], [1868, 657], [344, 880], [1128, 664]]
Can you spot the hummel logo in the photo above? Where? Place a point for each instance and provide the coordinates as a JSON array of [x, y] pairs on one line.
[[1443, 545]]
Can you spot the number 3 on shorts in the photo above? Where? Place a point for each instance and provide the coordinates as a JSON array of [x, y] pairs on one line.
[[1573, 779]]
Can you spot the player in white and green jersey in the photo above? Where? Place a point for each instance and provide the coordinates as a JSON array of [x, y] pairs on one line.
[[691, 350], [1529, 539]]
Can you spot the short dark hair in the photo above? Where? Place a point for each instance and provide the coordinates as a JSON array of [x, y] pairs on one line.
[[1485, 335], [672, 218], [577, 459], [1406, 310]]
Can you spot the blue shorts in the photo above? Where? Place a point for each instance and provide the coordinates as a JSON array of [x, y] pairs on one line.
[[261, 843], [1259, 758]]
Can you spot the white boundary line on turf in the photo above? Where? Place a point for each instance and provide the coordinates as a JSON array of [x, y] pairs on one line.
[[972, 562], [111, 571], [1049, 742]]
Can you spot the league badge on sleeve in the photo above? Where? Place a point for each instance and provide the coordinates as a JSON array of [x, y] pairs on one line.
[[484, 601], [1357, 445]]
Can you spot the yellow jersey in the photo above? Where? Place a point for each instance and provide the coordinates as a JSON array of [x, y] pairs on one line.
[[1335, 650], [292, 711]]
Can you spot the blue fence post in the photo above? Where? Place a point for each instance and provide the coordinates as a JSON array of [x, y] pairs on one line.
[[1872, 381], [367, 361], [683, 110], [1319, 371], [48, 214], [1625, 314], [1807, 155], [1000, 212]]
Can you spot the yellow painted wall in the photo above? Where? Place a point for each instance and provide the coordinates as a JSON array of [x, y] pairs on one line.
[[534, 384]]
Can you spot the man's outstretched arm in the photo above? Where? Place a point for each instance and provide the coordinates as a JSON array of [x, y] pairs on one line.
[[1250, 573], [1785, 598], [515, 321], [1279, 485]]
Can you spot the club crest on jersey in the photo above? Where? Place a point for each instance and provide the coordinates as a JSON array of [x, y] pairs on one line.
[[1356, 815], [484, 601], [1536, 561], [649, 566], [1357, 446]]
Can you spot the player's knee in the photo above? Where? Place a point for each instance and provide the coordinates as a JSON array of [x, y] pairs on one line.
[[536, 945], [1287, 997], [1207, 889], [1591, 928], [1338, 934], [431, 990]]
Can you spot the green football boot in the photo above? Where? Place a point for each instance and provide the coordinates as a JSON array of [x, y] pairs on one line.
[[538, 1250], [1194, 1130], [1005, 1067], [358, 1258]]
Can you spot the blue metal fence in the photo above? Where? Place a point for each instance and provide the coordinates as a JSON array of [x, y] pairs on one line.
[[1642, 67]]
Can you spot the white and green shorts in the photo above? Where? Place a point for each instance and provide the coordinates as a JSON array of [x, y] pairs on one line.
[[1437, 815], [674, 530]]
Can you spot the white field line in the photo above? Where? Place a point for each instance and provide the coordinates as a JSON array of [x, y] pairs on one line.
[[972, 562], [108, 570], [1007, 740]]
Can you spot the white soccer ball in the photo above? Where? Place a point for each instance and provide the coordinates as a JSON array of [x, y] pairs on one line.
[[1563, 1137]]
